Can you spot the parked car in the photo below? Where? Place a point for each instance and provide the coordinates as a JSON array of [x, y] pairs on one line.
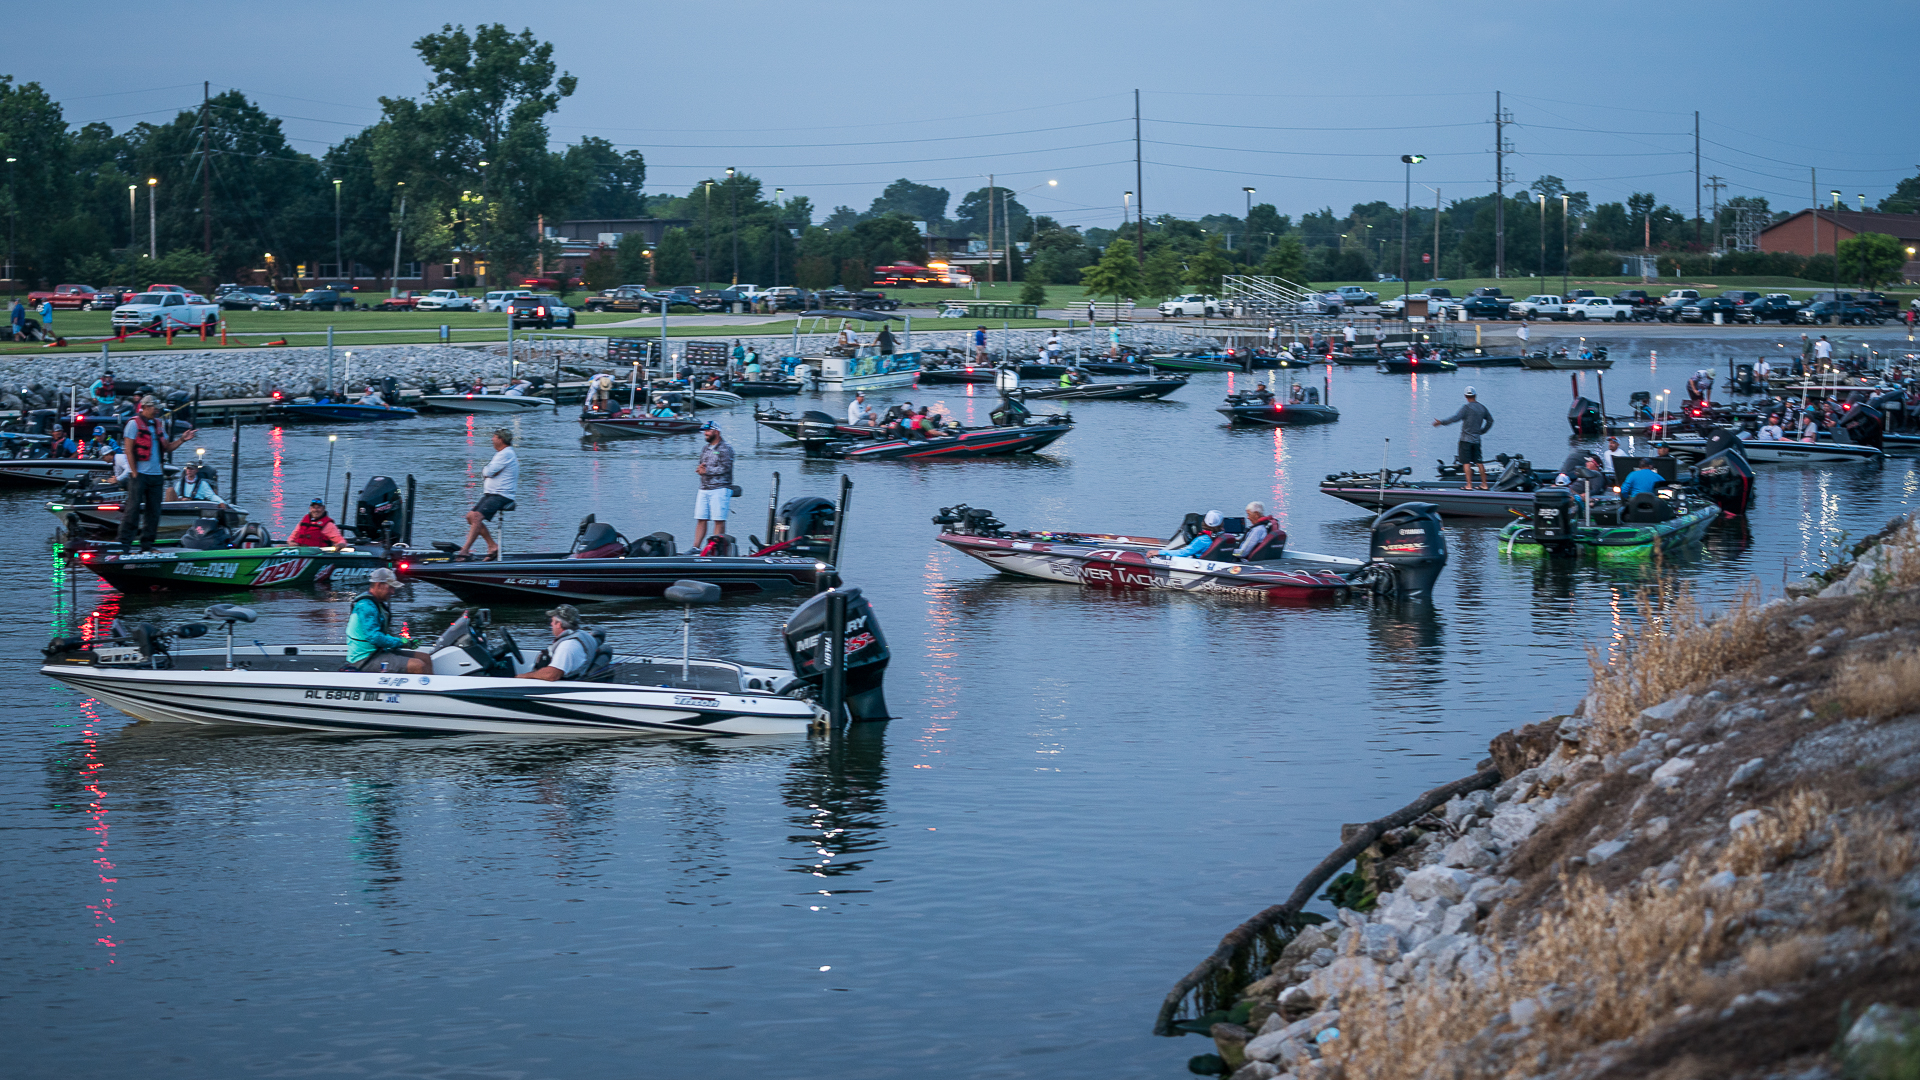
[[541, 310], [1484, 307], [498, 301], [1778, 307], [1741, 296], [109, 298], [681, 294], [1189, 306], [251, 298], [1399, 303], [1326, 303], [1354, 296], [1601, 309], [73, 297], [322, 300], [789, 298], [1491, 290], [446, 300], [718, 299], [1875, 300], [1844, 312], [157, 312], [624, 298], [1703, 309]]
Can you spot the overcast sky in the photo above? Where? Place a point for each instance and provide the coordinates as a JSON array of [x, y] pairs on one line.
[[1312, 104]]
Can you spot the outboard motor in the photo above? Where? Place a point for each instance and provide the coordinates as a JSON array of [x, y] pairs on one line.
[[1743, 380], [1011, 413], [377, 511], [600, 541], [1517, 476], [816, 425], [1864, 425], [207, 534], [968, 521], [1313, 395], [1407, 539], [808, 522], [865, 652], [1553, 520], [1584, 417]]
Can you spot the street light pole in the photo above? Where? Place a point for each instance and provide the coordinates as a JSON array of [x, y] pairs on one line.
[[779, 224], [339, 268], [1543, 238], [11, 212], [706, 224], [733, 198], [133, 215], [153, 220], [1406, 209], [1246, 224], [1565, 253]]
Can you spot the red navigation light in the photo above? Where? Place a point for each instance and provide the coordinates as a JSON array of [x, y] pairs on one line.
[[403, 566], [86, 556], [108, 507]]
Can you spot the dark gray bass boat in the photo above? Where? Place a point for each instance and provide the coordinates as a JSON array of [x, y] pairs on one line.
[[1510, 492], [1138, 390]]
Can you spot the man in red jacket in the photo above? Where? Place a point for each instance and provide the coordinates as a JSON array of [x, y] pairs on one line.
[[317, 529]]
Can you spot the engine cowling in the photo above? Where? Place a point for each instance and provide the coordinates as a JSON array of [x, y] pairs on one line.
[[866, 651]]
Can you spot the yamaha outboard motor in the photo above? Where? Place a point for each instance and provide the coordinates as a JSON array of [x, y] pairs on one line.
[[1584, 417], [816, 425], [865, 651], [1408, 539], [809, 522], [1553, 520], [377, 512], [207, 534]]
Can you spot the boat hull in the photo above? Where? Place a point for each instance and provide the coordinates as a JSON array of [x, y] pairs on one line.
[[973, 443], [1626, 540], [482, 403], [338, 411], [1762, 452], [954, 376], [1448, 496], [1552, 363], [1280, 414], [637, 427], [175, 517], [1145, 390], [1403, 366], [434, 704], [1132, 567], [1194, 363], [542, 578], [51, 472], [766, 389], [234, 568]]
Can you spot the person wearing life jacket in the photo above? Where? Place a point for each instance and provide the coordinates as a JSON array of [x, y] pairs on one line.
[[106, 399], [192, 486], [316, 529], [58, 444], [146, 440], [572, 649], [1260, 528], [1209, 530], [369, 641]]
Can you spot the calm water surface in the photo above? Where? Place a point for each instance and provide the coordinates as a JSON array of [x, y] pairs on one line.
[[1083, 791]]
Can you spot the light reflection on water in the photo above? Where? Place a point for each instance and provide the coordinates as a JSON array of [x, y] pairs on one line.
[[1082, 792]]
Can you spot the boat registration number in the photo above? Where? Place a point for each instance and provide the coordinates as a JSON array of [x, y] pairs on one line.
[[375, 696], [549, 583], [117, 656]]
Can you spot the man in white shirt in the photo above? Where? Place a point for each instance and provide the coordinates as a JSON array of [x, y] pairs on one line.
[[857, 411], [1771, 431], [502, 480], [1524, 335], [1823, 349], [1607, 458], [568, 656], [1349, 333], [1763, 371]]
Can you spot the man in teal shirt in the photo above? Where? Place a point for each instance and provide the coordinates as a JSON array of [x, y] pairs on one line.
[[369, 642]]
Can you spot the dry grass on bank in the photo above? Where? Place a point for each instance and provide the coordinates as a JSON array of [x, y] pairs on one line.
[[1674, 650]]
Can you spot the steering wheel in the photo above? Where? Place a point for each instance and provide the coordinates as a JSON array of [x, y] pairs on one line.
[[508, 646]]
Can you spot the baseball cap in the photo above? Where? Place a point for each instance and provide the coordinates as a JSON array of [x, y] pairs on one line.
[[1470, 392], [383, 574], [1214, 518], [316, 501], [709, 426]]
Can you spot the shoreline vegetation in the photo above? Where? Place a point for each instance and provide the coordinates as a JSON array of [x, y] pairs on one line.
[[1708, 869]]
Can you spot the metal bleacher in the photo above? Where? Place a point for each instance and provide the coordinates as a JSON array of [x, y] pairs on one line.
[[1252, 296]]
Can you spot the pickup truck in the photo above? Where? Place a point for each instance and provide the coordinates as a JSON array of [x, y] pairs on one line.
[[407, 300], [1601, 309], [1539, 306], [446, 300], [624, 298], [63, 296], [1779, 307], [1354, 296], [1189, 305], [110, 297], [322, 300], [157, 312], [1483, 307]]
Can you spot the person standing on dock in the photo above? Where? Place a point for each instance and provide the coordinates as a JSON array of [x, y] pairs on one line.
[[1349, 334], [980, 345], [1823, 351], [502, 481], [1524, 335], [146, 440], [1475, 420], [716, 485]]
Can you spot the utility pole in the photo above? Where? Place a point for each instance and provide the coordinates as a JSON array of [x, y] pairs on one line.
[[706, 245], [1434, 274], [1543, 238], [1716, 183], [1813, 185], [339, 267], [989, 228], [733, 200], [1499, 186], [206, 178], [1696, 176], [779, 226], [1139, 190], [399, 224], [1566, 253]]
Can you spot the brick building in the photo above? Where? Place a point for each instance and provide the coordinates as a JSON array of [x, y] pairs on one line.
[[1797, 233]]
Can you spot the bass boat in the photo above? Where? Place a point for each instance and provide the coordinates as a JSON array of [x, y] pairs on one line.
[[1511, 492], [1172, 362], [1408, 552], [482, 403], [1143, 390], [290, 411], [1649, 522], [1272, 412], [1015, 430], [1560, 360], [141, 671]]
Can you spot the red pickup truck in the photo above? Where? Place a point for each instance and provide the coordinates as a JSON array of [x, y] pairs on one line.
[[405, 301], [63, 296]]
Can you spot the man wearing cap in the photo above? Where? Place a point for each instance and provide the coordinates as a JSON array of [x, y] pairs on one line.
[[1474, 420], [370, 642], [715, 469], [572, 649], [502, 480], [193, 485], [857, 409], [145, 438], [316, 529]]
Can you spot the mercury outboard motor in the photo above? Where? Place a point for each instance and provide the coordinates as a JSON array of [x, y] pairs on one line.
[[1553, 520], [866, 651], [808, 521], [1743, 380], [1407, 539], [1584, 417], [207, 534], [1864, 425], [377, 511]]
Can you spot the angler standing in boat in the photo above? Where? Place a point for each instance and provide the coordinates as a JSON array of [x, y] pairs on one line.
[[885, 341], [316, 529], [502, 480], [1475, 420], [715, 469], [370, 643], [145, 441]]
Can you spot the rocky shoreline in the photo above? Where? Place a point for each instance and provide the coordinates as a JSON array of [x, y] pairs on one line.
[[44, 381], [1707, 870]]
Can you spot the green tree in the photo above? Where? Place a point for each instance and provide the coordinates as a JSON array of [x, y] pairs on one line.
[[1905, 198], [855, 273], [916, 202], [633, 266], [1163, 272], [1033, 292], [1287, 260], [1206, 266], [1117, 274], [601, 270], [608, 181], [673, 259], [970, 217], [813, 272], [1871, 259]]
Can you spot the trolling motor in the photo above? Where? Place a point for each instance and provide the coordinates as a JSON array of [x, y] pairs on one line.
[[968, 521]]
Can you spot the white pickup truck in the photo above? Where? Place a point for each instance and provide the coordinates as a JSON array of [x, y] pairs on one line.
[[446, 300], [1539, 306], [1189, 305], [158, 312], [1600, 309]]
